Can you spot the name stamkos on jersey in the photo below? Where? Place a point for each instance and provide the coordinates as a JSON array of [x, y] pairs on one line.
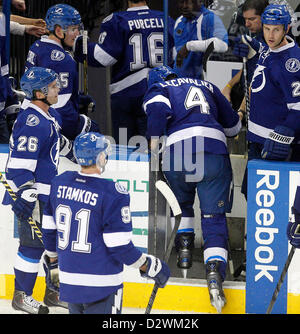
[[32, 120], [292, 65], [120, 188], [57, 55]]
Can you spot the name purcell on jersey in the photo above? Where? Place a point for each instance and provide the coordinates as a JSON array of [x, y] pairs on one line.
[[78, 195], [146, 23]]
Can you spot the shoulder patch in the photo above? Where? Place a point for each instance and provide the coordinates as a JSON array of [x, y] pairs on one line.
[[32, 120], [57, 55], [292, 65], [120, 189]]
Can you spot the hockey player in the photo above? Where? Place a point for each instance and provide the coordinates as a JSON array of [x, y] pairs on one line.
[[87, 232], [53, 51], [194, 30], [35, 146], [196, 118], [251, 12], [131, 42], [274, 127]]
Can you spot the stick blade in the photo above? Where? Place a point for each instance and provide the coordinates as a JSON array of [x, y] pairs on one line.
[[206, 55], [169, 196]]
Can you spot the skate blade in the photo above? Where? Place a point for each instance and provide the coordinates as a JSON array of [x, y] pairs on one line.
[[216, 301], [184, 273]]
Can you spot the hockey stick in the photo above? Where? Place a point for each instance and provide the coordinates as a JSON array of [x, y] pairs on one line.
[[281, 279], [206, 56], [31, 222], [174, 205], [247, 98], [85, 67]]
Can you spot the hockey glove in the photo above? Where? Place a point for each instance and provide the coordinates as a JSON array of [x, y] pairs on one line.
[[66, 148], [78, 49], [86, 103], [245, 46], [293, 230], [157, 270], [24, 204], [277, 146], [51, 270]]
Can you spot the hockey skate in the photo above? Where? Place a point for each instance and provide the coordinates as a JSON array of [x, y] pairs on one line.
[[51, 298], [25, 303], [214, 284], [184, 244]]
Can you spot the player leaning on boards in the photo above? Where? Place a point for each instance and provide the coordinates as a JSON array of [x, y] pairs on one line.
[[54, 51], [196, 118], [131, 42], [194, 30], [35, 146], [87, 231], [274, 118]]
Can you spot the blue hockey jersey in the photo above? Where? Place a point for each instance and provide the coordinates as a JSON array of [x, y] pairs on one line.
[[34, 151], [205, 26], [87, 222], [275, 92], [50, 54], [184, 108], [131, 42]]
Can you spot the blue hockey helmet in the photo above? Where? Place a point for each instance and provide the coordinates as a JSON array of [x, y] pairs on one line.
[[276, 14], [161, 74], [88, 146], [37, 79], [62, 15]]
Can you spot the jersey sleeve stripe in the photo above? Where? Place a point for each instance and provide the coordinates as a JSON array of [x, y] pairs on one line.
[[130, 80], [48, 223], [233, 131], [158, 99], [117, 239], [258, 129], [19, 163], [295, 106], [103, 57], [62, 100]]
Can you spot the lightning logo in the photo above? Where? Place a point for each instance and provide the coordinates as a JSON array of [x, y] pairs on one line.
[[259, 79]]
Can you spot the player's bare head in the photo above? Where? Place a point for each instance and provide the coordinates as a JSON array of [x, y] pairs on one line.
[[91, 149], [252, 11], [189, 8], [258, 5]]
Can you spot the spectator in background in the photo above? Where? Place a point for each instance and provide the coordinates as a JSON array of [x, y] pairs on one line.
[[20, 25], [194, 30]]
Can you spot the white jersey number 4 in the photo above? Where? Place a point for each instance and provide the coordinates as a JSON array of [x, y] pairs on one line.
[[194, 98]]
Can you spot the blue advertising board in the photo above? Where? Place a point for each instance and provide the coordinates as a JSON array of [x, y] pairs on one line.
[[268, 212]]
